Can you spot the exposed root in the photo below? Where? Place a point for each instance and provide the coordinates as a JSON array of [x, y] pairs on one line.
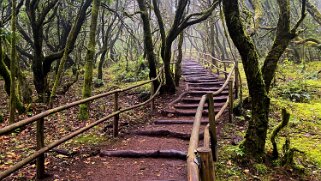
[[175, 154]]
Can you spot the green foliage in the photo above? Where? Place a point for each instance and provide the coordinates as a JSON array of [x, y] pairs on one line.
[[98, 82], [1, 118], [6, 35], [133, 72], [239, 152], [295, 91], [296, 85]]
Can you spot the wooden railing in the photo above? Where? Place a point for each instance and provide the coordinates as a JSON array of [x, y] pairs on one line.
[[39, 118], [200, 160]]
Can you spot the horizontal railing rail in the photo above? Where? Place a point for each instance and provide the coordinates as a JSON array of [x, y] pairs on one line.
[[39, 118], [202, 158]]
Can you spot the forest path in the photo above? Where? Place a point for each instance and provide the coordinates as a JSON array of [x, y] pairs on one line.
[[167, 136]]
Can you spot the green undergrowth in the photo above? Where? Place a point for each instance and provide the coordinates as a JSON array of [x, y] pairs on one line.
[[298, 89], [131, 71]]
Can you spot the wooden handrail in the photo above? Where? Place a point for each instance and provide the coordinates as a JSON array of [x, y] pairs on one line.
[[192, 167], [210, 130], [225, 83], [210, 63], [46, 113], [218, 60], [43, 150]]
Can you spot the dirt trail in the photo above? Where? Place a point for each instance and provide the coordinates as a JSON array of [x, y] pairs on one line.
[[198, 82]]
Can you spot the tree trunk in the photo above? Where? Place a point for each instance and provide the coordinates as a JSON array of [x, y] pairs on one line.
[[256, 133], [212, 38], [5, 73], [13, 64], [178, 67], [222, 57], [166, 56], [86, 91], [314, 12], [69, 44], [148, 41], [101, 64], [283, 37]]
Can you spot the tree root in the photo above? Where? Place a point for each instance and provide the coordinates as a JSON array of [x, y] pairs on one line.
[[166, 133], [276, 130], [175, 154], [65, 152]]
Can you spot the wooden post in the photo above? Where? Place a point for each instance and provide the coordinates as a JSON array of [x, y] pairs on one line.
[[207, 166], [212, 128], [116, 117], [152, 92], [231, 100], [225, 73], [236, 74], [40, 162]]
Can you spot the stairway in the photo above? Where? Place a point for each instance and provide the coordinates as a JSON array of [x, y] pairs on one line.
[[199, 81]]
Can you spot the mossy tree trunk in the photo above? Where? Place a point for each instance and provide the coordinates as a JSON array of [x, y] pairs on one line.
[[283, 37], [313, 11], [148, 41], [259, 82], [13, 63], [178, 66], [81, 17], [256, 133], [5, 73], [86, 90]]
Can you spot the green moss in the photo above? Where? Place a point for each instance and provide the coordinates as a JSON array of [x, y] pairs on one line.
[[88, 139], [83, 112], [310, 145], [260, 168], [131, 71]]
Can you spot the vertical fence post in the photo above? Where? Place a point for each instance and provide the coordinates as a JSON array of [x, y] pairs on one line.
[[152, 92], [198, 57], [209, 62], [116, 117], [212, 128], [231, 100], [236, 74], [225, 73], [207, 166], [40, 162]]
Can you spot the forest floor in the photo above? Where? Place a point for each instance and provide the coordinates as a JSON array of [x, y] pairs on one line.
[[304, 130]]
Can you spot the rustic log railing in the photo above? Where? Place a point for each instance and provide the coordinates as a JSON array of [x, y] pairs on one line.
[[200, 160], [210, 61], [39, 118]]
